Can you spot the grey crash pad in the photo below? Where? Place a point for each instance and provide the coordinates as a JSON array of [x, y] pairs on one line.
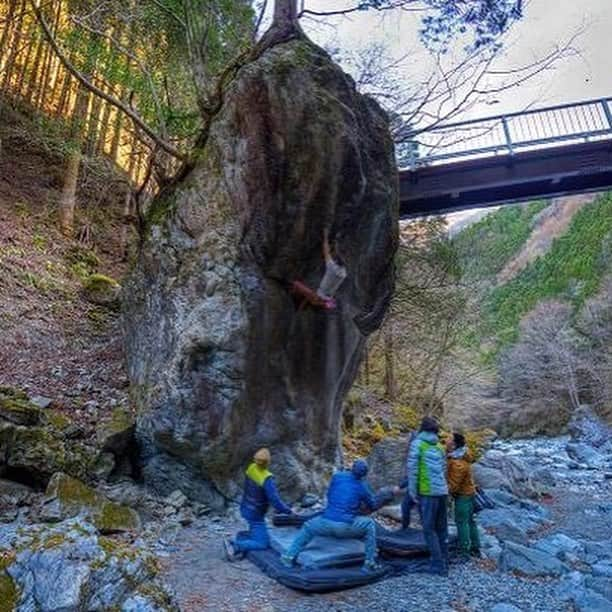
[[321, 552]]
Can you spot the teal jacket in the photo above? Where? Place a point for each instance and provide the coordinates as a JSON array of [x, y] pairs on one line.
[[427, 466]]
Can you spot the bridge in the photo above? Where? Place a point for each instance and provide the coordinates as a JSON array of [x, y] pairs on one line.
[[517, 157]]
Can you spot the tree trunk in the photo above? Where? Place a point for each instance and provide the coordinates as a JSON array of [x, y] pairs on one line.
[[285, 24], [103, 132], [7, 28], [32, 79], [45, 90], [285, 11], [21, 76], [14, 45], [68, 197], [125, 227], [390, 382], [73, 161]]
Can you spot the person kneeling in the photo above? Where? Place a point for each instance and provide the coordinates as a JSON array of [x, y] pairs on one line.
[[259, 492], [346, 494]]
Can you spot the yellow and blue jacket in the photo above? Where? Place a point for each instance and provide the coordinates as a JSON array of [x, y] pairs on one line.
[[259, 492]]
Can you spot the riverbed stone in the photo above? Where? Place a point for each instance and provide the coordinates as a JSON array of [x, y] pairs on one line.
[[530, 561], [559, 545], [590, 601], [586, 454], [587, 428]]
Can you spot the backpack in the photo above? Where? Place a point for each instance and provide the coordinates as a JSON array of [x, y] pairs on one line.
[[482, 501]]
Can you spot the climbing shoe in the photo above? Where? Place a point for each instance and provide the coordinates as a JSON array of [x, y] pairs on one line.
[[286, 561], [371, 566]]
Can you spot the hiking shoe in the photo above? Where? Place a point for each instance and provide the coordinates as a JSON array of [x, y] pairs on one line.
[[371, 566], [287, 561], [437, 570], [476, 553], [230, 552]]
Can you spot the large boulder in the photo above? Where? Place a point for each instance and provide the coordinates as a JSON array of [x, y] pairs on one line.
[[220, 359], [498, 470]]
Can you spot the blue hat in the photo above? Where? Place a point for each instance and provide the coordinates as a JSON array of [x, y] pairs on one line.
[[360, 468]]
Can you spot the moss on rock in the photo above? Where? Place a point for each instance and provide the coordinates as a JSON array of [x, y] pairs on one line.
[[74, 497], [115, 433], [72, 493], [113, 518], [42, 451], [17, 408], [9, 594], [101, 289]]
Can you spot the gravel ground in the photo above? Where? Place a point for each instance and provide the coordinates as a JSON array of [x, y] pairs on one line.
[[581, 507], [203, 581]]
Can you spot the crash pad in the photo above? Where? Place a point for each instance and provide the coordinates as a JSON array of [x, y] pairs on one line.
[[321, 551], [325, 580], [314, 580]]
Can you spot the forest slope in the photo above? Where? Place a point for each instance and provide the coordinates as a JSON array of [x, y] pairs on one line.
[[56, 343]]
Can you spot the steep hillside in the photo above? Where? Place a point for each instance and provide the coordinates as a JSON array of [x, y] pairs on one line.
[[540, 282], [551, 223], [55, 342], [487, 246], [571, 269]]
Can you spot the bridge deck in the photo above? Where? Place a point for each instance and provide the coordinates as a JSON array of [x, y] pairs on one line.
[[506, 179], [538, 153]]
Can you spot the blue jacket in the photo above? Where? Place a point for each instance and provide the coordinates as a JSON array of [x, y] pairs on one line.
[[259, 492], [346, 495], [427, 466]]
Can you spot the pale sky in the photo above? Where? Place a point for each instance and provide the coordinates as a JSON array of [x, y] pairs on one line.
[[546, 23]]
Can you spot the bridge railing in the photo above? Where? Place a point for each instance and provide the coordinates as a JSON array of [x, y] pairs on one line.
[[511, 133]]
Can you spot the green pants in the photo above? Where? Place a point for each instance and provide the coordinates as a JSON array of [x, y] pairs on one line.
[[467, 531]]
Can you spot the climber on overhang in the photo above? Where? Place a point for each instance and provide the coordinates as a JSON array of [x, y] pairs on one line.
[[333, 277]]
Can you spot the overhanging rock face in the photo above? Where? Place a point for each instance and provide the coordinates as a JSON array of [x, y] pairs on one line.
[[220, 360]]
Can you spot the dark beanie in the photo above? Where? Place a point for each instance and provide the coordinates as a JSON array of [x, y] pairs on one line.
[[429, 424], [360, 468]]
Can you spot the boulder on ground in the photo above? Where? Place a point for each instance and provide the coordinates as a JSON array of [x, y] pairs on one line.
[[387, 462], [530, 561], [115, 433], [591, 601], [221, 358], [17, 408], [587, 428], [490, 478], [70, 567], [601, 585], [510, 472], [584, 453], [67, 497], [560, 545], [102, 290]]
